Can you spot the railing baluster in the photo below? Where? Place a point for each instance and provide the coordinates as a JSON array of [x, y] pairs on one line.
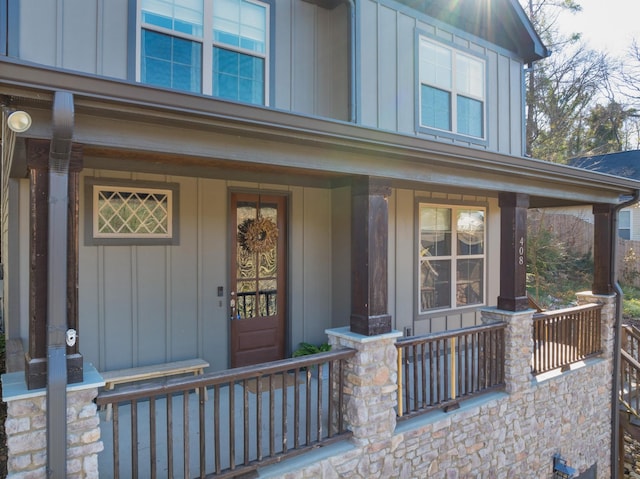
[[319, 402], [232, 425], [285, 422], [423, 369], [134, 439], [296, 413], [185, 432], [216, 427], [272, 411], [203, 468], [116, 442], [308, 407], [152, 435], [145, 398], [245, 416], [259, 418], [330, 421], [170, 434]]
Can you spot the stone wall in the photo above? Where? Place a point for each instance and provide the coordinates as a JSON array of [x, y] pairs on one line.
[[499, 435], [26, 430]]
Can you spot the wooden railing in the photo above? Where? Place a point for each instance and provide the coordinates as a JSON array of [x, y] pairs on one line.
[[565, 336], [250, 416], [438, 370], [630, 369]]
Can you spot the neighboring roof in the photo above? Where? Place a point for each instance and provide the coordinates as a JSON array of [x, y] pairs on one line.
[[502, 22], [624, 163]]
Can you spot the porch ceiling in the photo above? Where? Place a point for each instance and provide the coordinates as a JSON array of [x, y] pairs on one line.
[[123, 125]]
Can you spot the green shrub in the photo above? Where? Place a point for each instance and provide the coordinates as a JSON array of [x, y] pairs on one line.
[[308, 348]]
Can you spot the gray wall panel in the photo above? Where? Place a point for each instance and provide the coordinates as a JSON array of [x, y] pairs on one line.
[[341, 256], [504, 107], [304, 59], [117, 318], [284, 54], [40, 17], [150, 307], [79, 39], [183, 276], [405, 268], [387, 69], [317, 267], [213, 250], [368, 63], [406, 76], [113, 38]]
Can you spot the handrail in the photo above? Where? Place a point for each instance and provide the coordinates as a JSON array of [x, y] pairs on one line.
[[565, 336], [174, 385], [255, 415], [438, 370], [565, 311]]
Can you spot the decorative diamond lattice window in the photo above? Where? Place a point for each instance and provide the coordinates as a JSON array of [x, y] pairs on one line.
[[125, 212]]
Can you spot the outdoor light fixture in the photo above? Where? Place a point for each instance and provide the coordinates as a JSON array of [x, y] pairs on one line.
[[19, 121]]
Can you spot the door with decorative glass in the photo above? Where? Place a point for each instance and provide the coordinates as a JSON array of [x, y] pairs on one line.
[[258, 282]]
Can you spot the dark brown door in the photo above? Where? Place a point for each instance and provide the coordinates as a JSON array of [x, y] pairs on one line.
[[258, 266]]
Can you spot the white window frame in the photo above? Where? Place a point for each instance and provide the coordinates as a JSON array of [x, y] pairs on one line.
[[94, 186], [453, 90], [208, 44], [628, 212], [453, 257]]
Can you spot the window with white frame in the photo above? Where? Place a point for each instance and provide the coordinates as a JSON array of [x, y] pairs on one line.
[[121, 212], [624, 224], [451, 90], [451, 252], [214, 47]]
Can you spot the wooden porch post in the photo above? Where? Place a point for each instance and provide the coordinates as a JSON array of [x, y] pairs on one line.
[[602, 246], [369, 250], [513, 251], [36, 356]]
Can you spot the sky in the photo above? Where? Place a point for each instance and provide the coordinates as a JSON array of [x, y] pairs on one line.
[[608, 25]]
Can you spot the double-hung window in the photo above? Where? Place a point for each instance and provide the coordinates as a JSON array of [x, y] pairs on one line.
[[451, 257], [451, 90], [624, 224], [214, 47]]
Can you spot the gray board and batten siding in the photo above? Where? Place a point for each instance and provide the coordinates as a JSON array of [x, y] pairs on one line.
[[387, 67], [309, 64]]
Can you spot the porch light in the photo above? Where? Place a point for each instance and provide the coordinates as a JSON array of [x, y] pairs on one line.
[[19, 121]]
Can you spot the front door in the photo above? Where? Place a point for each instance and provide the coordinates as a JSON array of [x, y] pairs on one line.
[[257, 283]]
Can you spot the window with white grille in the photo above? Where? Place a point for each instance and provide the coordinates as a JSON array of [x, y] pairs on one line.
[[128, 213]]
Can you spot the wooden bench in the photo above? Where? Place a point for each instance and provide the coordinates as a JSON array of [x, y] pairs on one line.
[[129, 375]]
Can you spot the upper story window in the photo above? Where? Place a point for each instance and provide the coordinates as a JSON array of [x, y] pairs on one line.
[[452, 90], [214, 47], [451, 257]]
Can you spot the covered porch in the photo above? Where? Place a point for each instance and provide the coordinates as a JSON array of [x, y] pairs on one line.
[[350, 254]]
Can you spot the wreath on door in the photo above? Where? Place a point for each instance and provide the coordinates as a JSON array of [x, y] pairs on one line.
[[257, 235]]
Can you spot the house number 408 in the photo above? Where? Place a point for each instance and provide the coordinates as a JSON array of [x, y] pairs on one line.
[[521, 251]]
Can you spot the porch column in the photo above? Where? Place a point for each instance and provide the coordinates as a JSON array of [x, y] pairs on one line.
[[602, 245], [369, 250], [36, 356], [513, 249]]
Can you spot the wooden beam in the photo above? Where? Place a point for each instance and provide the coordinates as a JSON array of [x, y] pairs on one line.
[[369, 251], [36, 355], [603, 215], [513, 251]]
